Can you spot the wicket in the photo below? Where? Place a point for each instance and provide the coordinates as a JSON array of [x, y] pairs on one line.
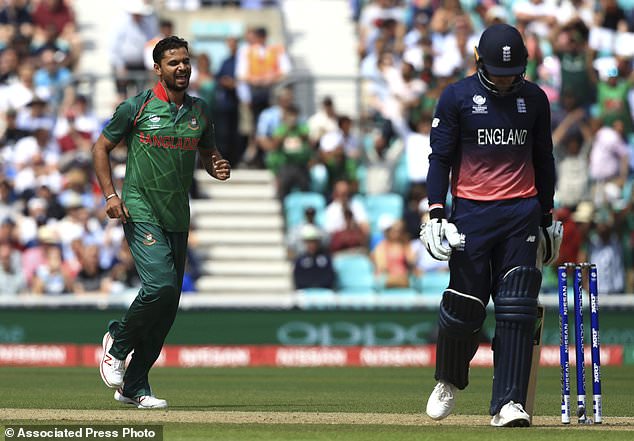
[[562, 273]]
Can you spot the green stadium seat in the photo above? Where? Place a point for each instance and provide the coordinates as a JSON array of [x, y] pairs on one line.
[[355, 274], [295, 203]]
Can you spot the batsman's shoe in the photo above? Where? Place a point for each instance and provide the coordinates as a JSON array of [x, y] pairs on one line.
[[111, 369], [511, 415], [142, 402], [441, 401]]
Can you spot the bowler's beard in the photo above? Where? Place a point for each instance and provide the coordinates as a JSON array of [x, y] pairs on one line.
[[170, 83]]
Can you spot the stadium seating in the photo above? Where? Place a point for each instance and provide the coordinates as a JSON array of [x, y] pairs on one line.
[[295, 203], [209, 38], [355, 274], [383, 204], [433, 283]]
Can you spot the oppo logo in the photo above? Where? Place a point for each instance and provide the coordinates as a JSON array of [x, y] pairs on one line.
[[353, 334]]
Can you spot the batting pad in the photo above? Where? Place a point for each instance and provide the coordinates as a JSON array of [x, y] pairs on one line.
[[460, 319], [515, 314]]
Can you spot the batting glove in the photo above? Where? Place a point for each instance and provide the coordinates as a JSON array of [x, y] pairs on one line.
[[549, 242], [433, 235]]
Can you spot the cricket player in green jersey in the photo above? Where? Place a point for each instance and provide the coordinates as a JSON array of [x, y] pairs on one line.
[[164, 129]]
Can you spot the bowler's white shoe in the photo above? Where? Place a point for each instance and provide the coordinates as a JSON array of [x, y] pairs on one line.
[[441, 401], [511, 415], [111, 369], [142, 402]]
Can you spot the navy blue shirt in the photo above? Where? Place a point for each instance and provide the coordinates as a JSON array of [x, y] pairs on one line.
[[496, 147]]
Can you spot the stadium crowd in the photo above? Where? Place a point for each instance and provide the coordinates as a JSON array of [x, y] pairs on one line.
[[55, 238], [580, 53]]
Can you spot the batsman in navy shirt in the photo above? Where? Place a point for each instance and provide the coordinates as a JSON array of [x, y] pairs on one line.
[[492, 147]]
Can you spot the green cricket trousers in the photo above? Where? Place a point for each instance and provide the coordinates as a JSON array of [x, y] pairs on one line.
[[159, 257]]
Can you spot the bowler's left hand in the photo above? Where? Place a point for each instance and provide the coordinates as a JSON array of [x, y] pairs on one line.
[[221, 168]]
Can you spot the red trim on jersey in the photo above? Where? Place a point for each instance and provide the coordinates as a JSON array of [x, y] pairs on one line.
[[160, 92], [141, 110]]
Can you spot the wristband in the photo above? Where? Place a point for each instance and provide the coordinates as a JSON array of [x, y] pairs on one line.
[[547, 220], [436, 211], [110, 196]]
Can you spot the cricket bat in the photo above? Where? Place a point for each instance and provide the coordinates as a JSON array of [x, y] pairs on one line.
[[537, 346]]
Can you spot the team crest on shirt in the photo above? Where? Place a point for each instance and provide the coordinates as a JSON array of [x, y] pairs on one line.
[[149, 240], [521, 105], [154, 122], [193, 124], [479, 104]]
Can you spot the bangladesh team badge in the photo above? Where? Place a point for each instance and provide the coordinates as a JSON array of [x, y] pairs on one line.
[[193, 124], [149, 240]]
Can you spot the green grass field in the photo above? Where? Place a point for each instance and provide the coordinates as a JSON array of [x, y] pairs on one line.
[[246, 404]]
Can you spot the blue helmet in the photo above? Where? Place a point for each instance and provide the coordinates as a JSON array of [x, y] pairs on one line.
[[501, 52]]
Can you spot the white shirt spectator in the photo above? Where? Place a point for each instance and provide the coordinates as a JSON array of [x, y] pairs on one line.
[[333, 216], [539, 12], [417, 150], [606, 155]]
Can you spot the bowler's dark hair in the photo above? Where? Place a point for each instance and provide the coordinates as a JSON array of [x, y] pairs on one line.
[[171, 42]]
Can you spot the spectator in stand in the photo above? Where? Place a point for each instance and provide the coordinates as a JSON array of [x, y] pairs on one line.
[[92, 278], [9, 234], [35, 161], [393, 257], [7, 199], [380, 161], [573, 10], [54, 210], [230, 142], [20, 93], [56, 12], [291, 155], [313, 268], [323, 121], [351, 238], [9, 63], [333, 153], [166, 28], [124, 274], [416, 208], [35, 115], [12, 133], [53, 80], [420, 30], [572, 140], [578, 77], [127, 50], [76, 129], [609, 165], [262, 66], [54, 21], [375, 15], [15, 19], [418, 149], [270, 120], [574, 231], [12, 278], [204, 83], [605, 249], [539, 16], [50, 277], [612, 97], [295, 244], [334, 219]]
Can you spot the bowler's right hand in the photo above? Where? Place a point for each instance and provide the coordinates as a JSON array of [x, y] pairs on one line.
[[115, 208], [434, 232]]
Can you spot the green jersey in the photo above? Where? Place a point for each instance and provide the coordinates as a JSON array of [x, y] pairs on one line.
[[162, 143]]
